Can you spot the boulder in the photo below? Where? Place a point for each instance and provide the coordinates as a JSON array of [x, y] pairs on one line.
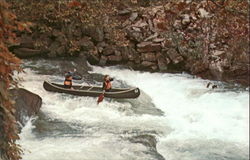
[[148, 47], [103, 61], [93, 57], [113, 59], [162, 62], [148, 57], [147, 64], [100, 46], [151, 37], [134, 36], [61, 50], [57, 33], [95, 32], [126, 23], [26, 52], [27, 104], [26, 41], [133, 16], [124, 53], [198, 68], [53, 49], [140, 24], [86, 44], [77, 32], [157, 40], [109, 50], [124, 12], [185, 19], [174, 56]]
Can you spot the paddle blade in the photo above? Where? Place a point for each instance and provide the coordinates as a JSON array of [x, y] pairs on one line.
[[100, 98]]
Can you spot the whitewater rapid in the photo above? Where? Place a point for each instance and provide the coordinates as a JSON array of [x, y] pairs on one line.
[[196, 122]]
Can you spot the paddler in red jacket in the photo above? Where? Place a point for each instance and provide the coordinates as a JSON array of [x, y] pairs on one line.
[[107, 83]]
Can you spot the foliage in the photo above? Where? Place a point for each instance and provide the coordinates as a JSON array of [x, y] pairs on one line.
[[8, 63], [61, 14]]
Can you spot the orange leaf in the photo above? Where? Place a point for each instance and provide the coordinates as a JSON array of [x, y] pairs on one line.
[[74, 4], [20, 27]]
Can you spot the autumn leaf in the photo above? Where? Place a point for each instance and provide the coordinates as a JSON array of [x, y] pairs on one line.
[[74, 4]]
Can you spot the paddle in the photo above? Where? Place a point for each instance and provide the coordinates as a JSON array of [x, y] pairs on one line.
[[101, 97]]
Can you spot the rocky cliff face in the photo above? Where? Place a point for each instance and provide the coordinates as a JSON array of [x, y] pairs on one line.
[[203, 38]]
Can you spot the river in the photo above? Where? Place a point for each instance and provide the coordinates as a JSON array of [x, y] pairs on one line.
[[175, 118]]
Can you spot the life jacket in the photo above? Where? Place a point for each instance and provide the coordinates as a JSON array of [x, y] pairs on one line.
[[68, 81], [107, 85]]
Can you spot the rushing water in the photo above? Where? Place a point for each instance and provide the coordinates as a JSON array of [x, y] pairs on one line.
[[188, 120]]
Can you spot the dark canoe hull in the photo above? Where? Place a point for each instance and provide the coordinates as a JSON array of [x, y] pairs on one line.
[[92, 91]]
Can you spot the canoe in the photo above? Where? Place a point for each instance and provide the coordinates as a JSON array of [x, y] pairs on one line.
[[92, 91]]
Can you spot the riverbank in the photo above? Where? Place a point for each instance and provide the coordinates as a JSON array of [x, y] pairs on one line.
[[197, 37]]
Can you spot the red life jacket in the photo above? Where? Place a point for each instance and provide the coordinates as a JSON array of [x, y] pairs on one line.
[[107, 85], [68, 81]]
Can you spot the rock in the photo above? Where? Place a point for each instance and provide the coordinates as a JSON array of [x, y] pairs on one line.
[[98, 35], [124, 53], [198, 68], [184, 51], [103, 60], [157, 40], [218, 53], [61, 39], [150, 142], [27, 104], [174, 56], [61, 50], [177, 24], [57, 33], [147, 64], [95, 32], [100, 46], [118, 53], [185, 19], [140, 24], [124, 12], [26, 42], [132, 54], [113, 59], [134, 36], [126, 23], [203, 13], [162, 62], [86, 44], [151, 37], [26, 52], [77, 32], [216, 69], [148, 57], [154, 68], [109, 50], [53, 49], [148, 47], [133, 16], [93, 57], [136, 29]]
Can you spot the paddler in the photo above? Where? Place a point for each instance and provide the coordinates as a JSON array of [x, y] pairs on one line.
[[107, 83]]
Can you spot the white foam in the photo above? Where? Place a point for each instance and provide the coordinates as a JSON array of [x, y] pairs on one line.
[[191, 112]]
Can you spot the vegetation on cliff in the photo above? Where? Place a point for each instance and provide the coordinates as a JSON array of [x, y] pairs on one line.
[[8, 64]]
